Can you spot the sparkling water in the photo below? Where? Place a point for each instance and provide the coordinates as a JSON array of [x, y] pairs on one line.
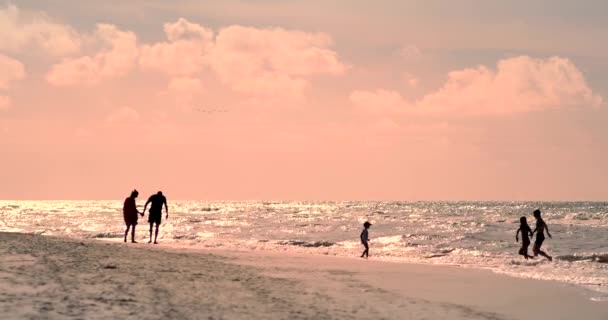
[[467, 234]]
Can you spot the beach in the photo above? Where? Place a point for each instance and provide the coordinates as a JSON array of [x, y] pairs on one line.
[[60, 278]]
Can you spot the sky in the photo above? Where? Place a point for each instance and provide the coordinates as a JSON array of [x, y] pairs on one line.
[[304, 100]]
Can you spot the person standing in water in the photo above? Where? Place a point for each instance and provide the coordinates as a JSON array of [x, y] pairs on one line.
[[156, 212], [365, 239], [129, 212], [525, 240], [540, 235]]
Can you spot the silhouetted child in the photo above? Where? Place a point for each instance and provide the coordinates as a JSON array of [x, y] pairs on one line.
[[365, 239], [540, 235], [525, 240]]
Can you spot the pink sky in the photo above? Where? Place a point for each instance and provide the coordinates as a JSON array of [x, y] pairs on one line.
[[303, 100]]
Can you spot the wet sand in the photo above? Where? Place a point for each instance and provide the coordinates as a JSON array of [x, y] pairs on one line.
[[53, 278]]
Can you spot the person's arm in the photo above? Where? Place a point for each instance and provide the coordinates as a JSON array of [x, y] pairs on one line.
[[166, 209], [135, 207], [145, 206], [517, 235], [547, 227], [141, 213]]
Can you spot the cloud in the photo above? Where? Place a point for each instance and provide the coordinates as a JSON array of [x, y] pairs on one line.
[[123, 115], [116, 57], [258, 62], [19, 30], [271, 61], [10, 70], [519, 84], [253, 61], [185, 53]]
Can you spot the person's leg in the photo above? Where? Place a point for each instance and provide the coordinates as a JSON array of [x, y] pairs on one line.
[[156, 233], [525, 251], [538, 251], [366, 251], [151, 226], [133, 234], [127, 232], [542, 253]]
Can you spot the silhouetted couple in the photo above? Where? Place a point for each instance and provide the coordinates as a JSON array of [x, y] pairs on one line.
[[525, 230], [155, 214]]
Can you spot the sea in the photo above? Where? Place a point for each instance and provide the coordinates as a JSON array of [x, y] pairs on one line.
[[466, 234]]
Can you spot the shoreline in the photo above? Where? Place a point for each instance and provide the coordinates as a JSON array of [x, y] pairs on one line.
[[596, 294], [51, 277]]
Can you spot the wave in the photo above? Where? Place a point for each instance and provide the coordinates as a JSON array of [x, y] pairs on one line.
[[441, 253], [595, 257], [307, 244], [106, 235], [185, 237]]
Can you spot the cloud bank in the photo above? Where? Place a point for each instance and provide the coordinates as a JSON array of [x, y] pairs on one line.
[[519, 84]]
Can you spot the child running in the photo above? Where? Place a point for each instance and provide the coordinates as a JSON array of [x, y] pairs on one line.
[[525, 240], [365, 239], [540, 235]]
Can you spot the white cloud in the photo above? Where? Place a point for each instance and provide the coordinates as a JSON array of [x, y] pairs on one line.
[[253, 61], [184, 54], [19, 30], [272, 61], [520, 84], [116, 57]]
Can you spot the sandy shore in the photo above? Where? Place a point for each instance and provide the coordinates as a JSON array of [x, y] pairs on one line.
[[51, 278]]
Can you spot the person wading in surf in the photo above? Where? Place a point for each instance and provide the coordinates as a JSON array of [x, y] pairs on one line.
[[525, 240], [156, 212], [540, 235]]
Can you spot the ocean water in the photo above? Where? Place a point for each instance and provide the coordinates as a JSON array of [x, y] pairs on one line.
[[467, 234]]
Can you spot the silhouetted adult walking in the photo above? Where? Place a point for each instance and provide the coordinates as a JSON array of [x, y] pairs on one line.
[[156, 212], [129, 212], [540, 235]]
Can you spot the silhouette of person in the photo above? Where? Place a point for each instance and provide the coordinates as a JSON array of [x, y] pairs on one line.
[[525, 240], [156, 212], [365, 239], [540, 235], [129, 212]]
